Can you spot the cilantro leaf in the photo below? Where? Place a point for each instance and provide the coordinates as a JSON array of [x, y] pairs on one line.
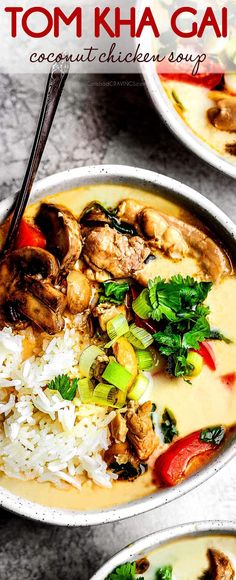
[[178, 305], [168, 341], [214, 435], [168, 426], [67, 387], [164, 573], [124, 572], [199, 332], [114, 292]]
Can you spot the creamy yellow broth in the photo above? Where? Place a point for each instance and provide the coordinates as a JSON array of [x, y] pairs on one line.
[[196, 102], [204, 403], [189, 556]]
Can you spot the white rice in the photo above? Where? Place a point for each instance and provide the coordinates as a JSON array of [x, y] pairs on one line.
[[43, 436]]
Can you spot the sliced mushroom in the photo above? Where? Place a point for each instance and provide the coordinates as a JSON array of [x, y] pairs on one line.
[[40, 303], [62, 233], [220, 566], [25, 289], [223, 114], [140, 430], [78, 292], [35, 262], [47, 294], [26, 261]]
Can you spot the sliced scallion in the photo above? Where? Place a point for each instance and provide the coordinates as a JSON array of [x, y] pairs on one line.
[[85, 390], [142, 306], [87, 359], [139, 337], [139, 387], [145, 360], [116, 327], [117, 375], [104, 395]]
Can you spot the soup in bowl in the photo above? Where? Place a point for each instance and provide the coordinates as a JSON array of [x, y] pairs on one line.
[[118, 342], [196, 551]]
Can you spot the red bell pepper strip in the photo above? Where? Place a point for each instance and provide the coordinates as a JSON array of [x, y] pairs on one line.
[[207, 353], [210, 80], [29, 235], [171, 466], [228, 380]]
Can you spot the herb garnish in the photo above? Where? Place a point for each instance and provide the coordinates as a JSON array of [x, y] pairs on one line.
[[113, 292], [164, 573], [178, 304], [66, 386], [214, 435], [114, 222], [168, 426], [124, 572]]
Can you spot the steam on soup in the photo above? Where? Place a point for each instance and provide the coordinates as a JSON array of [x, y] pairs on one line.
[[117, 348]]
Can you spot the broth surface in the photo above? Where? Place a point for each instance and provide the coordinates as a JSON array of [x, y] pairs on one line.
[[205, 403], [188, 556]]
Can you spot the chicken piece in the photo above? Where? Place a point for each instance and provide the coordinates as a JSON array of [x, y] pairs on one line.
[[223, 114], [128, 210], [122, 256], [106, 312], [140, 430], [212, 259], [179, 239], [78, 292], [167, 237], [121, 459], [62, 233], [220, 566], [118, 428]]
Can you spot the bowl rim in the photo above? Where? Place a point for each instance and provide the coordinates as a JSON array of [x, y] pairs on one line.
[[162, 537], [151, 181], [170, 116]]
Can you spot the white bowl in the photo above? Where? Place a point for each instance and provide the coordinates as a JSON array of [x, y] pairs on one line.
[[151, 542], [170, 116], [224, 227]]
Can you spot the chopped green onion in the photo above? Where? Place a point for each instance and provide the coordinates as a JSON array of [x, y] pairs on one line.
[[85, 390], [87, 359], [117, 375], [142, 305], [116, 327], [104, 395], [139, 337], [138, 388], [145, 360]]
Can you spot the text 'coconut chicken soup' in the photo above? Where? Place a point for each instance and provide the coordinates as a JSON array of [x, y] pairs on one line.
[[117, 348], [201, 558]]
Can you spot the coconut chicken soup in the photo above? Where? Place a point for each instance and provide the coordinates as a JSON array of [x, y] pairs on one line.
[[201, 558], [207, 104], [117, 348]]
